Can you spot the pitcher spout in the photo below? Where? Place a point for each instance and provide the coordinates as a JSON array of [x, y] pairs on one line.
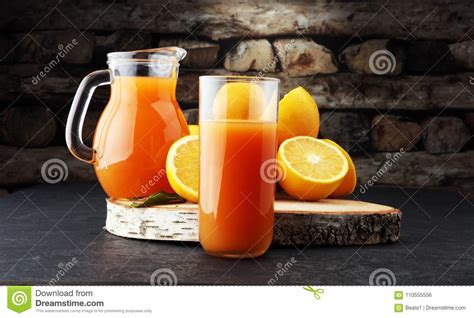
[[150, 55], [179, 53]]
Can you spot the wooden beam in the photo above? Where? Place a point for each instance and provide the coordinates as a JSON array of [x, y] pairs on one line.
[[22, 166], [413, 169], [333, 91], [357, 91], [440, 19]]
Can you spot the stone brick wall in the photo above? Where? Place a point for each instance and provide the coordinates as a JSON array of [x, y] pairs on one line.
[[394, 81]]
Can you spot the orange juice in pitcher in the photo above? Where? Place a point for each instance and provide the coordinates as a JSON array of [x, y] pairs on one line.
[[139, 124]]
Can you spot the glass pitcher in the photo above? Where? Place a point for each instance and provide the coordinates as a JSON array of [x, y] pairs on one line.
[[141, 121]]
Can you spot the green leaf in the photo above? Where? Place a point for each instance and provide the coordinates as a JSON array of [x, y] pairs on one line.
[[158, 198]]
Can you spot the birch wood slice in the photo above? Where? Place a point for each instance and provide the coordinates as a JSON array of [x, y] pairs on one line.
[[326, 222]]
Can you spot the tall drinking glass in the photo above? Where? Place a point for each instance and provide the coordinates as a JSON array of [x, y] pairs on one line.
[[238, 144]]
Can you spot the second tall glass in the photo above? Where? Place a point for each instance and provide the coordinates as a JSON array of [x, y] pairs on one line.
[[238, 144]]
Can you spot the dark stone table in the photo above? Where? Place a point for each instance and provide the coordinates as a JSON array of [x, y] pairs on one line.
[[53, 233]]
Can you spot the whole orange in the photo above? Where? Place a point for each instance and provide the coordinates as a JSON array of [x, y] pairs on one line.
[[298, 115]]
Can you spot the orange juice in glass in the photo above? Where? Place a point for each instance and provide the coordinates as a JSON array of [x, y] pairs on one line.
[[238, 144]]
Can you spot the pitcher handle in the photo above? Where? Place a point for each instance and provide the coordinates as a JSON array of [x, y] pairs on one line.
[[78, 111]]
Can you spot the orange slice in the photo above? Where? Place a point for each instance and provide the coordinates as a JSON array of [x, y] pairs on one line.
[[182, 167], [312, 169], [347, 185]]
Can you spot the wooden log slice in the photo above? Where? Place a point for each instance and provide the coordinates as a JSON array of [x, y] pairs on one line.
[[326, 222]]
